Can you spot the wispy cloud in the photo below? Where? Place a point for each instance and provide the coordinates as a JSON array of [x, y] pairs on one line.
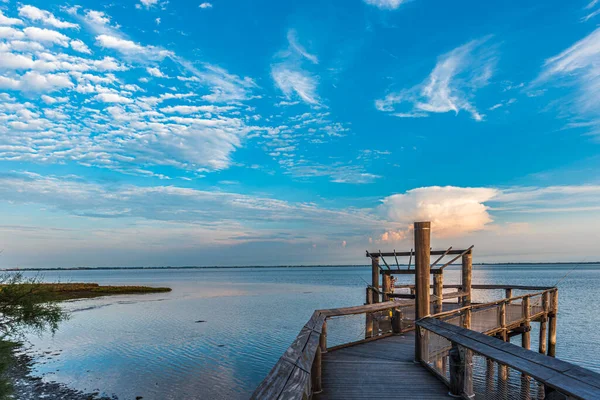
[[205, 5], [450, 87], [578, 66], [291, 76]]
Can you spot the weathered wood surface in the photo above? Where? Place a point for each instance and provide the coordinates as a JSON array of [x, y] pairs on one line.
[[560, 375], [409, 253], [290, 378], [382, 369]]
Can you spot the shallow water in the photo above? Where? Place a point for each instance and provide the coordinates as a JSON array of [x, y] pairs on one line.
[[151, 345]]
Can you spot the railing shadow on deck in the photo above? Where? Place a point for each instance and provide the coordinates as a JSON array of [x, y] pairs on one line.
[[461, 363]]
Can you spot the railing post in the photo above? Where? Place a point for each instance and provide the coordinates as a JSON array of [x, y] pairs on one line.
[[397, 321], [526, 336], [323, 337], [422, 279], [502, 369], [526, 344], [543, 344], [457, 371], [375, 277], [468, 358], [368, 315], [552, 324], [315, 373], [467, 273], [438, 289], [386, 283], [508, 293]]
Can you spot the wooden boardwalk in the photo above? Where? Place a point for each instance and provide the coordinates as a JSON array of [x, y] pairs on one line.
[[382, 369]]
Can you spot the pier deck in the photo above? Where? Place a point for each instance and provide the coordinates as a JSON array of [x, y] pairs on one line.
[[382, 369]]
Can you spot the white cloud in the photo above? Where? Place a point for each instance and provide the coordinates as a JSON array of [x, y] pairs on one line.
[[79, 46], [47, 36], [112, 98], [205, 5], [45, 17], [296, 46], [96, 18], [34, 81], [155, 72], [295, 82], [4, 20], [194, 109], [7, 32], [131, 49], [149, 3], [453, 211], [579, 65], [451, 85], [385, 4]]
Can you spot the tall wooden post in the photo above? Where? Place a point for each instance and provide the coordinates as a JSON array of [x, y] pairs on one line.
[[422, 271], [375, 278], [467, 273], [543, 344], [386, 286], [552, 324], [508, 293], [438, 288], [422, 267]]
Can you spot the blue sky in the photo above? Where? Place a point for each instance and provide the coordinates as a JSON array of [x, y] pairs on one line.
[[149, 132]]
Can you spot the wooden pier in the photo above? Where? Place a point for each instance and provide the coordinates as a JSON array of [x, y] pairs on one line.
[[430, 340]]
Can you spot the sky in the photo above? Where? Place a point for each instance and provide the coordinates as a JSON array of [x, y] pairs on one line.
[[170, 133]]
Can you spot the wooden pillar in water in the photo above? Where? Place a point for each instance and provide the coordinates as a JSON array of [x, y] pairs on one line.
[[543, 344], [375, 278], [422, 271], [438, 287], [552, 324]]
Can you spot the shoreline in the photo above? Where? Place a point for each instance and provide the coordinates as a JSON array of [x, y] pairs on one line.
[[26, 386]]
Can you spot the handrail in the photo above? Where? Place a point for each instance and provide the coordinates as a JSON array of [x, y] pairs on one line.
[[559, 375], [484, 287], [489, 304]]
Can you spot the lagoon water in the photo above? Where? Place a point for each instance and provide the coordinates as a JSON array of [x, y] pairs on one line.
[[153, 346]]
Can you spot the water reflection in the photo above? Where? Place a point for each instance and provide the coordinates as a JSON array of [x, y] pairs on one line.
[[152, 346]]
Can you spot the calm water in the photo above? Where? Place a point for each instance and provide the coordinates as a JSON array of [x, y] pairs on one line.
[[151, 345]]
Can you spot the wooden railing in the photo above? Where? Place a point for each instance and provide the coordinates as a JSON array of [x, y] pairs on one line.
[[467, 361], [297, 374]]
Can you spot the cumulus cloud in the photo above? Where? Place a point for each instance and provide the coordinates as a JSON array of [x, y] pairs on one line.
[[47, 36], [385, 4], [450, 87], [205, 5], [453, 211], [4, 20], [45, 17], [155, 72], [80, 47]]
